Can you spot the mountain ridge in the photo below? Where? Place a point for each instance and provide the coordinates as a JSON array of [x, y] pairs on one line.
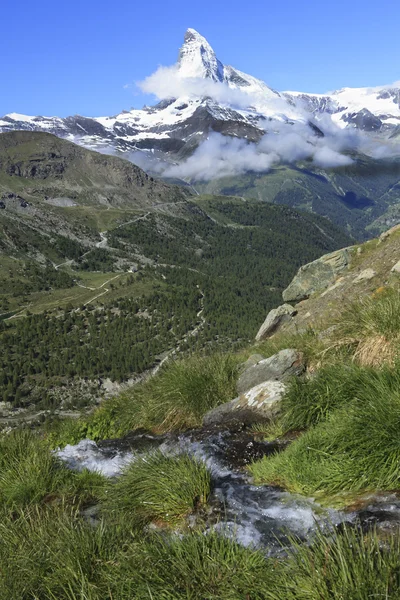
[[213, 97]]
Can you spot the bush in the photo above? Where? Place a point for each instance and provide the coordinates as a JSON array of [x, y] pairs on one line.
[[356, 448], [158, 488]]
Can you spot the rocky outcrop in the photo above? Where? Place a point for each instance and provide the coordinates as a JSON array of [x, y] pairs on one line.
[[317, 275], [278, 367], [260, 403], [274, 319], [365, 275]]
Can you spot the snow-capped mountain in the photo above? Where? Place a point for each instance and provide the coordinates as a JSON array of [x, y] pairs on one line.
[[200, 95]]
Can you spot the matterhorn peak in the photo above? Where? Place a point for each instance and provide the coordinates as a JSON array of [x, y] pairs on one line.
[[198, 59]]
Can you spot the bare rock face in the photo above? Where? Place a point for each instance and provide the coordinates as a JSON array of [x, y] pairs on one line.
[[365, 275], [396, 268], [258, 404], [274, 319], [317, 275], [278, 367]]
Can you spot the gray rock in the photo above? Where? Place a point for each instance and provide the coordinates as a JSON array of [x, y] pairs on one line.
[[252, 360], [316, 276], [280, 366], [260, 403], [365, 275], [396, 268], [274, 319]]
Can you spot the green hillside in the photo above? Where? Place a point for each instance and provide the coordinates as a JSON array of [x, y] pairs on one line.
[[362, 198]]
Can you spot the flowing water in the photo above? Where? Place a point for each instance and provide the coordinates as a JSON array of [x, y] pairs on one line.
[[261, 516]]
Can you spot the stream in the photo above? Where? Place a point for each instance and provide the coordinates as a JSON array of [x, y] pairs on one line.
[[260, 516]]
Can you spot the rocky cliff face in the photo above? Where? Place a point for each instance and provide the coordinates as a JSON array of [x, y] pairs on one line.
[[321, 289]]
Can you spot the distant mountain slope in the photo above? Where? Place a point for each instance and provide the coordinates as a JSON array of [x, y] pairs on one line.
[[363, 198], [41, 164]]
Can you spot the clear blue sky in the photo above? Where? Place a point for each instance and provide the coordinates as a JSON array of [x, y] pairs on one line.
[[70, 57]]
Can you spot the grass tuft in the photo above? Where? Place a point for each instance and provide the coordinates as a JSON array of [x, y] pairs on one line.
[[196, 566], [31, 474], [348, 565], [177, 398], [373, 326], [158, 488], [311, 400], [356, 448]]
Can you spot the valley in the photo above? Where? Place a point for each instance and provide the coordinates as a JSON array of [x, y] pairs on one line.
[[95, 290]]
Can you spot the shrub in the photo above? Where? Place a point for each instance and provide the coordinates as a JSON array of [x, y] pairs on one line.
[[158, 488]]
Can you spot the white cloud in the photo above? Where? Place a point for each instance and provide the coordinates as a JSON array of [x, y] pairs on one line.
[[167, 82], [221, 156]]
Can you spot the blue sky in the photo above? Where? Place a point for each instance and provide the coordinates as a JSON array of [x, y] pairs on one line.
[[77, 57]]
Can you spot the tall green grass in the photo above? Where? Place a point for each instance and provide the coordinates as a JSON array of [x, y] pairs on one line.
[[175, 399], [30, 473], [194, 567], [356, 448], [53, 554], [158, 488], [308, 342], [345, 566], [373, 315], [310, 400]]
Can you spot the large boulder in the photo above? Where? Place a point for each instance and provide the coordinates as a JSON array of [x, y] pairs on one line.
[[317, 275], [278, 367], [258, 404], [274, 319]]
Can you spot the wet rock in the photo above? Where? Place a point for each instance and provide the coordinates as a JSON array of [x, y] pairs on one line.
[[317, 275], [274, 319], [258, 404], [278, 367]]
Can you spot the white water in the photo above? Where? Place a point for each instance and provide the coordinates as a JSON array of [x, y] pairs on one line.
[[87, 455], [260, 516]]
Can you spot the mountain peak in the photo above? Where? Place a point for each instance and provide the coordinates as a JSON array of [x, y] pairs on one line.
[[198, 59], [192, 35]]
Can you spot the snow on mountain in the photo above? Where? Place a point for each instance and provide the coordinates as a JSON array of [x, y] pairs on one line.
[[198, 59], [370, 109], [200, 95]]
